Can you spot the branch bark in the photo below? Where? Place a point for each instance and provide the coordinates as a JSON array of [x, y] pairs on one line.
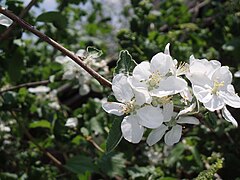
[[6, 33], [57, 46]]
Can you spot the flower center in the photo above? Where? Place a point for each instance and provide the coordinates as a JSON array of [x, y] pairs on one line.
[[130, 107], [160, 100], [216, 86], [183, 68], [154, 80]]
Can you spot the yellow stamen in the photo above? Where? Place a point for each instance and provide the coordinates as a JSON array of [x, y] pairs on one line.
[[216, 86]]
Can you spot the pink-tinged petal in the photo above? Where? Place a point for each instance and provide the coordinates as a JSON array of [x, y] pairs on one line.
[[131, 130], [167, 112], [114, 108], [166, 50], [121, 88], [169, 86], [142, 71], [142, 97], [215, 103], [188, 120], [227, 116], [173, 136], [161, 63], [222, 75], [202, 94], [150, 117], [156, 135], [230, 97]]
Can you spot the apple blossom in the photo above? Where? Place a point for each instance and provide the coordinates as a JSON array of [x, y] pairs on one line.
[[211, 84], [171, 120], [138, 114], [5, 21], [159, 77]]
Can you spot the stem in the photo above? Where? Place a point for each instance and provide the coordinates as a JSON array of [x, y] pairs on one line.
[[30, 84], [57, 46], [48, 154], [5, 34]]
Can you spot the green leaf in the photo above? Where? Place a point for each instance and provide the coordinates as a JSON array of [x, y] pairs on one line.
[[125, 63], [54, 17], [115, 135], [81, 164], [112, 164], [42, 124], [175, 154], [211, 119]]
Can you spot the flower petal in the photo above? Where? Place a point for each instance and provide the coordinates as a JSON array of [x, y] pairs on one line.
[[166, 50], [156, 135], [121, 88], [150, 117], [113, 108], [161, 63], [5, 21], [188, 120], [142, 71], [215, 103], [222, 74], [227, 115], [202, 94], [230, 97], [142, 97], [131, 130], [169, 86], [173, 136], [167, 112]]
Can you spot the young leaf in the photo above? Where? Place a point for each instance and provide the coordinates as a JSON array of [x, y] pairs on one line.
[[81, 164], [54, 17], [114, 136], [42, 124], [125, 63]]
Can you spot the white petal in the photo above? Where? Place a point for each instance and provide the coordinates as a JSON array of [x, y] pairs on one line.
[[230, 97], [222, 75], [142, 97], [166, 50], [186, 110], [131, 130], [161, 63], [137, 84], [167, 112], [188, 120], [237, 74], [227, 115], [199, 79], [84, 89], [173, 136], [113, 108], [5, 21], [171, 85], [156, 135], [150, 117], [121, 88], [39, 89], [215, 103], [142, 71], [186, 94], [71, 122], [202, 94]]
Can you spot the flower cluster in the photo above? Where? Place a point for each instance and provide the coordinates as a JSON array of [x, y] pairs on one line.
[[147, 98], [72, 71]]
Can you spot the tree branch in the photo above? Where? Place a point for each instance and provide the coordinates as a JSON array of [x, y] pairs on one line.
[[30, 84], [57, 46], [5, 34]]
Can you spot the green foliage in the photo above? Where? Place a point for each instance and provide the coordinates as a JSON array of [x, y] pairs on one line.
[[125, 63]]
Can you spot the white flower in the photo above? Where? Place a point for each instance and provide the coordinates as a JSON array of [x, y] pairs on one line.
[[211, 85], [39, 90], [72, 122], [4, 128], [5, 21], [132, 104], [173, 121], [159, 77], [237, 74]]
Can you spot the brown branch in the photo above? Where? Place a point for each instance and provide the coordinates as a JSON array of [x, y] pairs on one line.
[[5, 34], [57, 46], [89, 139], [30, 84]]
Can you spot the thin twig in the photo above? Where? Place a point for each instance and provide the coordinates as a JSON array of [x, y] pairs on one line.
[[48, 154], [57, 46], [30, 84], [89, 139], [5, 34]]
